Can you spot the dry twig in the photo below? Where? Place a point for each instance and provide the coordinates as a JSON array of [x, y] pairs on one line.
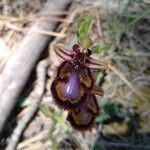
[[125, 80], [38, 31], [19, 66], [37, 96], [33, 139], [27, 19]]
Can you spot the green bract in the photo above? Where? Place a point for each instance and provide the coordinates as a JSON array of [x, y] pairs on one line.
[[84, 22]]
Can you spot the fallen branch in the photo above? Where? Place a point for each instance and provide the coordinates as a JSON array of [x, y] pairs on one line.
[[21, 63], [36, 96]]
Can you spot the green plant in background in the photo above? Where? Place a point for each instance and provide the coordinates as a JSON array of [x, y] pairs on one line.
[[100, 48], [109, 110], [117, 25], [56, 118], [97, 147]]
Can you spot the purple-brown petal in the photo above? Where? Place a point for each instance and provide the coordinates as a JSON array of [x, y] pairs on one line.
[[64, 70], [86, 78], [65, 99], [82, 117], [72, 87]]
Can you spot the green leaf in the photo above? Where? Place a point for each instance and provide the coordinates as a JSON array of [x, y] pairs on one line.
[[79, 21], [56, 117], [97, 147], [112, 108], [53, 138], [103, 117], [83, 25], [47, 112], [99, 77], [85, 42], [109, 110], [23, 102], [138, 17], [99, 48]]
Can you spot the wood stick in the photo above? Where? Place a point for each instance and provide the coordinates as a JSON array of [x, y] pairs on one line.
[[37, 96], [21, 63]]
